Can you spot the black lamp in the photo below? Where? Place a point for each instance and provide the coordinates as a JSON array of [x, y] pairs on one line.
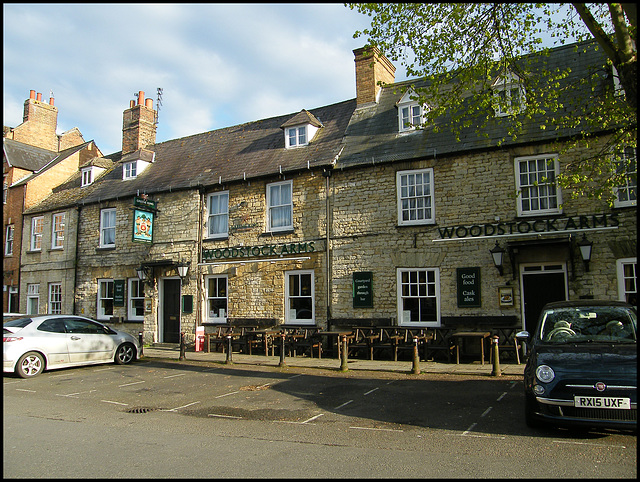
[[585, 250], [183, 269], [497, 253]]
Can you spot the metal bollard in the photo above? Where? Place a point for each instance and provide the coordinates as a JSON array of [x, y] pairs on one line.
[[141, 345], [282, 362], [496, 372], [415, 368], [229, 359], [182, 347], [343, 354]]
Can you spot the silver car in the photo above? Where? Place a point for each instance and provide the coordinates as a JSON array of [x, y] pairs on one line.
[[45, 342]]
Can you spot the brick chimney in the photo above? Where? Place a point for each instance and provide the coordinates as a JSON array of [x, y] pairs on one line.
[[371, 67], [39, 123], [138, 125]]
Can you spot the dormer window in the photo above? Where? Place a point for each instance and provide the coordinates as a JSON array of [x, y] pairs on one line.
[[410, 113], [89, 174], [129, 170], [297, 136], [508, 95], [135, 163], [300, 130]]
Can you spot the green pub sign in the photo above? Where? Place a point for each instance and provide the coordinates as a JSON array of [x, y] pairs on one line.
[[363, 289], [118, 292], [468, 287]]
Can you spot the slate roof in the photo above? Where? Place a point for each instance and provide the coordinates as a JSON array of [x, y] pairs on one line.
[[246, 151], [35, 159], [24, 156], [373, 136]]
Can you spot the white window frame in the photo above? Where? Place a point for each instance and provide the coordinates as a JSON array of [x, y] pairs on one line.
[[33, 294], [536, 189], [103, 297], [104, 228], [8, 240], [37, 226], [290, 313], [135, 286], [87, 177], [221, 213], [408, 118], [627, 274], [414, 199], [297, 136], [417, 289], [57, 230], [505, 86], [5, 189], [283, 205], [627, 193], [55, 299], [129, 170], [210, 316]]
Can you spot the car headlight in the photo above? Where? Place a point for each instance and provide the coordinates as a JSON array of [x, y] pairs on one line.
[[545, 373]]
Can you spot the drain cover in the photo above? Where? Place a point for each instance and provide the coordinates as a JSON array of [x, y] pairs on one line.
[[141, 410]]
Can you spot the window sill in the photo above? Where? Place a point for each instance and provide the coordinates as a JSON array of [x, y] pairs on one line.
[[277, 233], [212, 240], [34, 251], [105, 248]]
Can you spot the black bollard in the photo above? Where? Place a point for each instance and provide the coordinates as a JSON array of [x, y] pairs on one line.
[[229, 359], [141, 345], [282, 362], [182, 347]]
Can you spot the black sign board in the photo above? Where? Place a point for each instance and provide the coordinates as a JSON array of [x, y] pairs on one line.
[[187, 303], [118, 292], [363, 289], [468, 287]]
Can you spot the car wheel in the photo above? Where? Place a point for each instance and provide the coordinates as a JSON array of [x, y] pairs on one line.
[[30, 364], [125, 354]]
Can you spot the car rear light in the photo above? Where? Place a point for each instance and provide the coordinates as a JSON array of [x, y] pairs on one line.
[[11, 338]]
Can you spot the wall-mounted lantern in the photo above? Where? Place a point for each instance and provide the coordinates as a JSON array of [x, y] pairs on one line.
[[497, 253], [585, 250], [183, 270]]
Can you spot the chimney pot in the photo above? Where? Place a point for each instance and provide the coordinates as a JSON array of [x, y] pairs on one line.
[[132, 104], [50, 100], [141, 97], [39, 97], [149, 103], [32, 94]]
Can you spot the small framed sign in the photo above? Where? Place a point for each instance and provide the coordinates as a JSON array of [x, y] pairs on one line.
[[363, 289], [468, 287], [118, 292], [506, 296], [187, 303]]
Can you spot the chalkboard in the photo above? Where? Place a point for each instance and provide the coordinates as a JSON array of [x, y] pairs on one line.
[[468, 287], [363, 289], [118, 292], [187, 303]]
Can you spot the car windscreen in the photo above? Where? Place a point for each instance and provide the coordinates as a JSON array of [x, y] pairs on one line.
[[18, 323], [606, 324]]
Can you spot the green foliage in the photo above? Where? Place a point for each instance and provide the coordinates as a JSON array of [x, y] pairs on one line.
[[456, 51]]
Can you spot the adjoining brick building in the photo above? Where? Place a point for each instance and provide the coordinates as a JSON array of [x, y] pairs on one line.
[[343, 215], [35, 161]]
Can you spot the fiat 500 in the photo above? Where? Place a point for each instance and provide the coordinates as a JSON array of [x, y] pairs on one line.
[[582, 366]]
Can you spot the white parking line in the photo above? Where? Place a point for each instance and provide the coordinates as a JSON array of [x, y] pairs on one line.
[[486, 412], [178, 408], [132, 383], [227, 394], [177, 375], [116, 403], [371, 391], [25, 390], [222, 416], [501, 396], [74, 395], [378, 429], [313, 418], [587, 443], [345, 403]]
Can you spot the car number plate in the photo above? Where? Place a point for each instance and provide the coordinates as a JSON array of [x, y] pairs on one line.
[[602, 402]]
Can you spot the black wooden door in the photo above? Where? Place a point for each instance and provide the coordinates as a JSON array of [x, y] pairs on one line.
[[171, 311], [538, 290]]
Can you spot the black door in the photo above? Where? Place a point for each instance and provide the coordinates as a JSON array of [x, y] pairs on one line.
[[540, 288], [171, 311]]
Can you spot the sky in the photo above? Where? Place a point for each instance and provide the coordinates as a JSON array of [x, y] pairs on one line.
[[219, 65]]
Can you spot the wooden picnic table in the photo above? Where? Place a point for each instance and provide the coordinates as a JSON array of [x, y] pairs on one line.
[[459, 335]]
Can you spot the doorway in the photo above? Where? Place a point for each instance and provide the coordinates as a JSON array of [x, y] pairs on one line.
[[541, 284], [170, 327]]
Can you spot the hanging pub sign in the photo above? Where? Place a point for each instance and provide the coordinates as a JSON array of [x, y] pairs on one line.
[[363, 289], [468, 287], [143, 202], [142, 226]]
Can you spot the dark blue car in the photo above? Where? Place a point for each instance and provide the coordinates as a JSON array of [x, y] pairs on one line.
[[582, 366]]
